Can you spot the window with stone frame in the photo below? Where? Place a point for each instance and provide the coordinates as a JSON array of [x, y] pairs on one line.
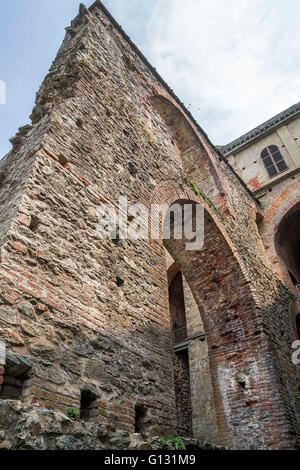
[[273, 160]]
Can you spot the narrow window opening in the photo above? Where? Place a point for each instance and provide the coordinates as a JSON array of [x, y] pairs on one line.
[[79, 123], [63, 161], [132, 169], [241, 383], [88, 405], [119, 281], [140, 419], [117, 241], [34, 223]]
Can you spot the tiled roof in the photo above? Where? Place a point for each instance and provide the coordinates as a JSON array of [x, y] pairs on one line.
[[261, 130]]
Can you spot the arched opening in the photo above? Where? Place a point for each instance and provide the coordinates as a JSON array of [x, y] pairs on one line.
[[287, 243], [196, 162], [224, 301], [246, 370], [195, 407]]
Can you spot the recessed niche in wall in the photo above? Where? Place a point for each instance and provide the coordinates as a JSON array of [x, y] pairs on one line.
[[88, 405], [12, 387], [16, 372], [140, 419], [34, 223], [63, 161]]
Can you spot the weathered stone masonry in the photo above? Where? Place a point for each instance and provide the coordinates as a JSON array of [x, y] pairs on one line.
[[92, 315]]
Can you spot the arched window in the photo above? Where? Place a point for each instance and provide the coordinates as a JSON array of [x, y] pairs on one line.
[[273, 160]]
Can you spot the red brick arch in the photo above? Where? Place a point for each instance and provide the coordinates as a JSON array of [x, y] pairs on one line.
[[241, 359], [198, 159], [172, 272], [285, 241], [291, 216], [270, 224], [224, 298], [199, 162]]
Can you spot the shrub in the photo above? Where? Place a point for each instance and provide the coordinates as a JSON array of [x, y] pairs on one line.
[[194, 187], [73, 413], [178, 444]]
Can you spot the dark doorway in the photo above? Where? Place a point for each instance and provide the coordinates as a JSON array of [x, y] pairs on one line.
[[181, 357]]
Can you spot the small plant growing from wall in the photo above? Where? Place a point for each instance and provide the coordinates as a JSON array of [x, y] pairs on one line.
[[177, 443], [194, 188], [204, 197], [73, 413]]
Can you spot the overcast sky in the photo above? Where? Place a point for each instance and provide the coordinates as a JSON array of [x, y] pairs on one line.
[[234, 63]]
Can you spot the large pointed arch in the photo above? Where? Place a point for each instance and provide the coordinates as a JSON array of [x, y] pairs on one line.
[[240, 358], [198, 161], [269, 225], [287, 242]]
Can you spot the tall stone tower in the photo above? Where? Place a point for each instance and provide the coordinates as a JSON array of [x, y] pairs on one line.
[[86, 322]]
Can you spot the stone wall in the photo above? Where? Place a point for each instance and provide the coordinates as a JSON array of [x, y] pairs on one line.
[[33, 428], [183, 393], [181, 359], [93, 315], [205, 426]]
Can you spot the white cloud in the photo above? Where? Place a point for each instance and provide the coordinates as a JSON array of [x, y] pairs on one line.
[[236, 61]]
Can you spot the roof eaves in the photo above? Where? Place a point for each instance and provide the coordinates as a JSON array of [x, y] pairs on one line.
[[261, 130]]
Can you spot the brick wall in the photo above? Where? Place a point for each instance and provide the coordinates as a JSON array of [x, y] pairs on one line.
[[202, 397], [183, 393], [181, 359]]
